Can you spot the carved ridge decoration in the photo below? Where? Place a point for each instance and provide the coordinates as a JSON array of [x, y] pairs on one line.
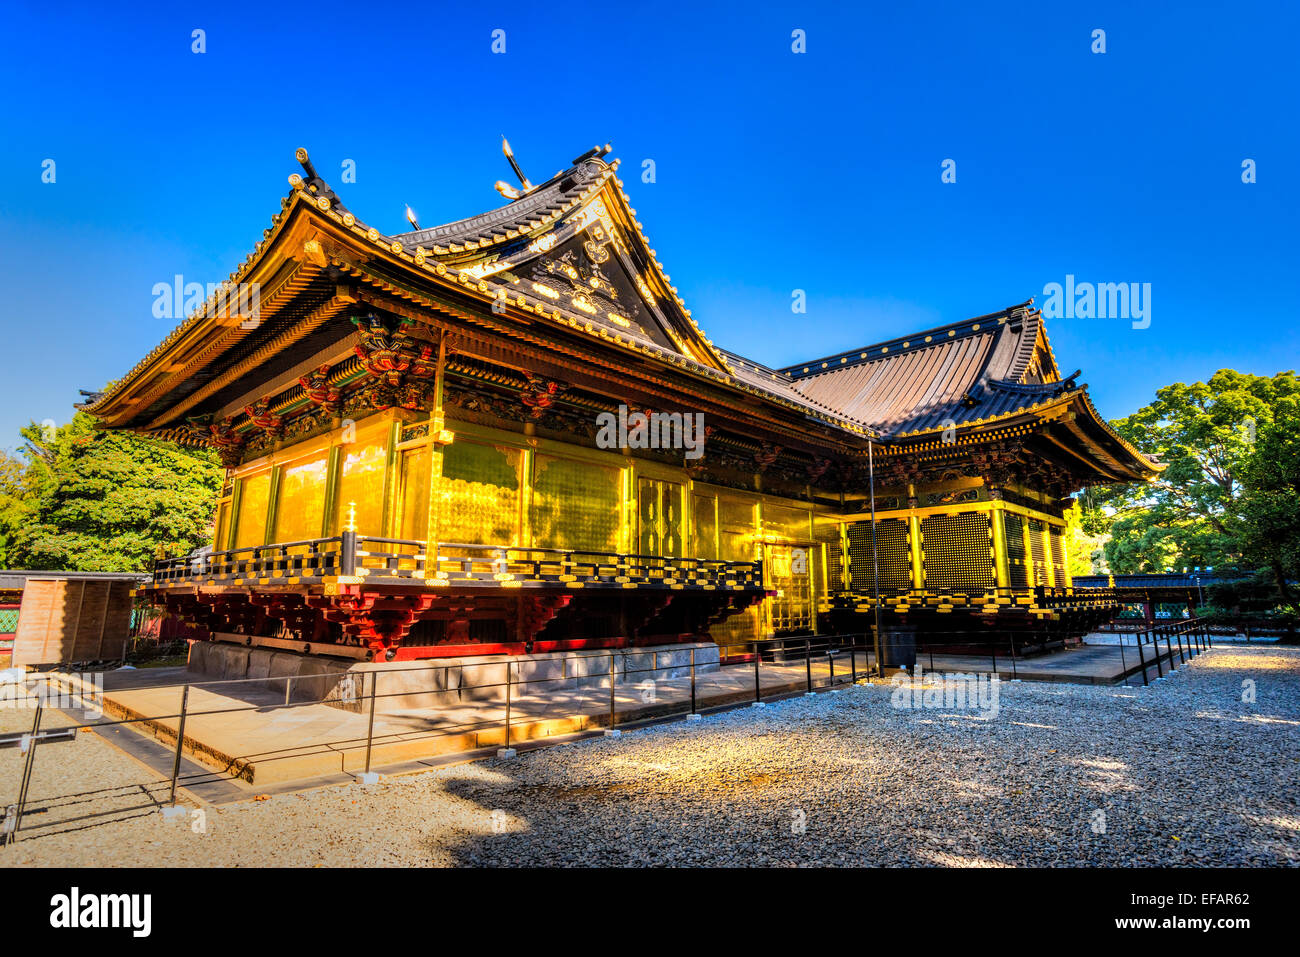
[[260, 414], [222, 437], [539, 394], [818, 468], [552, 351], [316, 386], [402, 368], [766, 456]]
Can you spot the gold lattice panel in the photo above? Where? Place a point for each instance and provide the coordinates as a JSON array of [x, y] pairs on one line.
[[576, 505], [892, 550], [478, 494], [958, 552], [791, 608]]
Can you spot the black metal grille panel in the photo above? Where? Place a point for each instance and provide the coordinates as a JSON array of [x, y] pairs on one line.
[[958, 551], [1016, 566], [1058, 555], [891, 546], [1036, 549]]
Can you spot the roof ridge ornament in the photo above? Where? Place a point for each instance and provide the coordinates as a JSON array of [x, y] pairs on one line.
[[504, 188], [314, 184]]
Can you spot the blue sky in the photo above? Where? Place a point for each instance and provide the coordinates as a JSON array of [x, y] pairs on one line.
[[775, 171]]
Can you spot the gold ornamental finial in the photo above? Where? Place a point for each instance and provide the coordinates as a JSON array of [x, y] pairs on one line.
[[352, 517], [523, 180]]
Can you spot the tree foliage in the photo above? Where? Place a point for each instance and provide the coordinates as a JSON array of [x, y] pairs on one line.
[[79, 498], [1228, 492]]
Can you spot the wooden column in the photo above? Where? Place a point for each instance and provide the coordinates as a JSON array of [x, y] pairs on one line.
[[1049, 568], [914, 541], [1001, 564], [437, 439]]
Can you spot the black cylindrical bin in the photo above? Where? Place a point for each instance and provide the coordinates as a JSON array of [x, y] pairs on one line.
[[898, 647]]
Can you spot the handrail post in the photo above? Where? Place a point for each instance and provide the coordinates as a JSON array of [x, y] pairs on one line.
[[508, 670], [180, 742], [807, 663], [758, 693], [1155, 646], [26, 779], [1142, 657], [830, 664], [612, 677], [693, 710], [853, 661], [348, 554], [370, 724]]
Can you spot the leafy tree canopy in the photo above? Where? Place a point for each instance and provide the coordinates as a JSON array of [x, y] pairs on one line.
[[79, 498], [1228, 492]]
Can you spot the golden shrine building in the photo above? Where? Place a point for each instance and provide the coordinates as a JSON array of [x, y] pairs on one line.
[[508, 435]]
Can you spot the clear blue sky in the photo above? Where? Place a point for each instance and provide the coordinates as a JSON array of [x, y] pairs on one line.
[[775, 171]]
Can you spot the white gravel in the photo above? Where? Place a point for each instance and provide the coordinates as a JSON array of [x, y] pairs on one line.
[[1182, 773]]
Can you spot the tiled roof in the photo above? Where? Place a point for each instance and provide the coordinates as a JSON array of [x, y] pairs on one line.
[[506, 222], [950, 375]]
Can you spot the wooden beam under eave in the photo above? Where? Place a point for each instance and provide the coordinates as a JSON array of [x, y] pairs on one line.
[[1117, 467]]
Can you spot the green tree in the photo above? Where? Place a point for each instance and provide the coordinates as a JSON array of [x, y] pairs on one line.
[[1205, 433], [90, 500], [1268, 512]]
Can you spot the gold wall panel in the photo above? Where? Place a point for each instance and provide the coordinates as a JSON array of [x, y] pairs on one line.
[[254, 497], [479, 494], [785, 524], [659, 518], [576, 505], [221, 528], [704, 518], [413, 507], [737, 529], [362, 469], [300, 500]]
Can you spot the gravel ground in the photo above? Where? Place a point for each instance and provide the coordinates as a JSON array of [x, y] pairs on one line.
[[1182, 773]]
